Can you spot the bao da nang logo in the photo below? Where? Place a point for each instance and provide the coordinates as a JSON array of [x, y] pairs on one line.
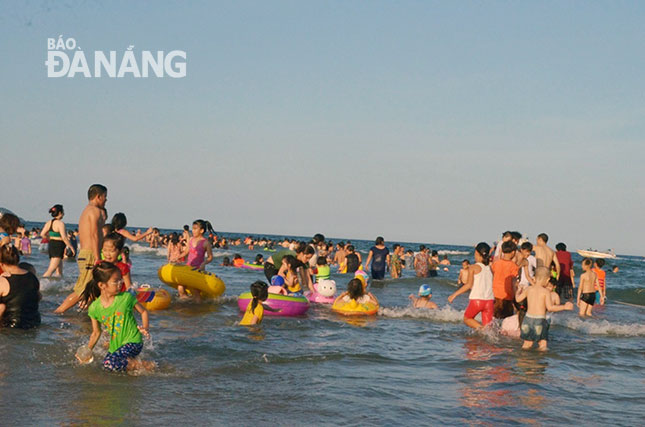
[[66, 59]]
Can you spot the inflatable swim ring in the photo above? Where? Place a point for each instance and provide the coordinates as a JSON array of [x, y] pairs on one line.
[[290, 305], [153, 299], [252, 266], [185, 275], [324, 292], [353, 308]]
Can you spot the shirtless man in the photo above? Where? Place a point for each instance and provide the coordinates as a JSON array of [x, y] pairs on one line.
[[535, 327], [91, 240], [544, 255]]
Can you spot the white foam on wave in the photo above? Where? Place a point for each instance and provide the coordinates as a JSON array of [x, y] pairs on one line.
[[220, 253], [447, 252], [442, 314], [601, 327], [140, 249]]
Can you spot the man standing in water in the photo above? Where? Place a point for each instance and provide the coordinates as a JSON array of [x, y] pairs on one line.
[[90, 227], [544, 255]]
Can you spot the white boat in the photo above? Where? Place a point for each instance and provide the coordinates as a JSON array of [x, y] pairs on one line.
[[595, 254]]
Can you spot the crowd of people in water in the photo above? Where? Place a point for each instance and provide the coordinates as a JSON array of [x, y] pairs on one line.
[[513, 280]]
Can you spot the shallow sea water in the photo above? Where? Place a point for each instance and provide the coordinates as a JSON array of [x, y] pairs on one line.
[[402, 367]]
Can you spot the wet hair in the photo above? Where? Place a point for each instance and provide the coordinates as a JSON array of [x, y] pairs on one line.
[[259, 257], [259, 292], [435, 253], [321, 260], [422, 248], [55, 210], [226, 261], [379, 241], [174, 238], [465, 261], [186, 227], [560, 247], [119, 221], [9, 223], [29, 267], [318, 238], [483, 249], [527, 246], [9, 255], [587, 261], [101, 273], [543, 236], [516, 235], [355, 289], [96, 190], [508, 247], [117, 240], [108, 229], [553, 281], [204, 225], [237, 256], [600, 262], [350, 248], [292, 262]]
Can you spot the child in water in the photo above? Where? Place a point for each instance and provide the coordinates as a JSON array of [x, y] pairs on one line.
[[423, 301], [601, 290], [356, 291], [587, 288], [463, 273], [288, 271], [535, 327], [199, 252], [255, 310], [115, 311], [112, 249]]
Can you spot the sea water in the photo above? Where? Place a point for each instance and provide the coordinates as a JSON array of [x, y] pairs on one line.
[[401, 367]]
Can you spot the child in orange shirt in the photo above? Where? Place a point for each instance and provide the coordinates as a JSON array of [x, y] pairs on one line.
[[601, 290], [504, 277]]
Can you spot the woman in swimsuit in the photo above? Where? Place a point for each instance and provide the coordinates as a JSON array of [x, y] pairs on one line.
[[58, 241]]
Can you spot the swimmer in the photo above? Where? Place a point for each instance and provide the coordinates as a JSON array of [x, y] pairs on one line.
[[601, 290], [535, 327], [255, 310], [444, 260], [587, 288], [119, 222], [115, 311], [199, 252], [544, 255], [463, 273], [480, 284], [356, 291], [423, 300]]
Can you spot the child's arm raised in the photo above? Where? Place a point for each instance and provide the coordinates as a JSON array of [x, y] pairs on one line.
[[125, 233]]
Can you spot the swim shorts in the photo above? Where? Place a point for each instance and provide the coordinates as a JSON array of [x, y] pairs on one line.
[[588, 297], [503, 308], [118, 361], [56, 248], [483, 306], [85, 262], [534, 328]]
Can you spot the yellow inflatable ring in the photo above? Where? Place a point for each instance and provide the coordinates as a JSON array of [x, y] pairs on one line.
[[353, 308], [185, 275], [153, 299]]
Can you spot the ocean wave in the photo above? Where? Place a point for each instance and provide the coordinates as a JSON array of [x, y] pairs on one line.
[[140, 249], [442, 314], [448, 252], [602, 327]]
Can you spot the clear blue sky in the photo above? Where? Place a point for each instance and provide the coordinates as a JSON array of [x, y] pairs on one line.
[[444, 122]]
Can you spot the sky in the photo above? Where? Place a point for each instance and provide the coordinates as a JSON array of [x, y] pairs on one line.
[[423, 121]]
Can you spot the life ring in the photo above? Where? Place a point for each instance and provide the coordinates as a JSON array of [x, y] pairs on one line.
[[288, 305], [185, 275], [153, 299], [354, 308]]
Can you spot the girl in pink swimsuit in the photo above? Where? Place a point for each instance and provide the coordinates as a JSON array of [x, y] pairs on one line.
[[199, 252]]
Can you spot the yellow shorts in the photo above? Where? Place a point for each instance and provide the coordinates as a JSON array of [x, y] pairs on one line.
[[85, 260]]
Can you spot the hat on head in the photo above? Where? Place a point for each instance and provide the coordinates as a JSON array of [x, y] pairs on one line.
[[425, 290]]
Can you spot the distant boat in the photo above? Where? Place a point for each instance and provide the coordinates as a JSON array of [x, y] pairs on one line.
[[595, 254]]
